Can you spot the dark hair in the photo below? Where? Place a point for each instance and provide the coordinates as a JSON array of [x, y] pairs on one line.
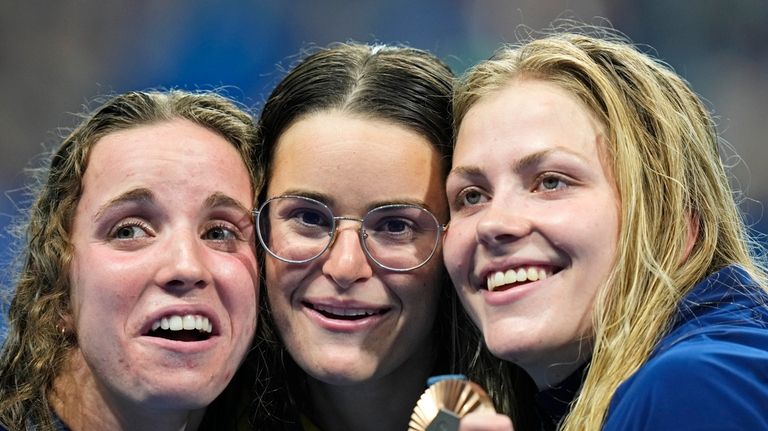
[[407, 87], [35, 348]]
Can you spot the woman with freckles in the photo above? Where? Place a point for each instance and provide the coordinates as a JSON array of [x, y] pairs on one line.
[[356, 146], [596, 243], [137, 295]]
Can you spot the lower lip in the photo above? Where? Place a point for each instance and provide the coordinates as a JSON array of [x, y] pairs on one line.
[[182, 347], [339, 325]]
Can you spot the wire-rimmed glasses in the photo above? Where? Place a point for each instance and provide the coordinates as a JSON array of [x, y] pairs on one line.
[[397, 237]]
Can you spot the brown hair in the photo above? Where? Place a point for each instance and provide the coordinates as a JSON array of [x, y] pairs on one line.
[[37, 340]]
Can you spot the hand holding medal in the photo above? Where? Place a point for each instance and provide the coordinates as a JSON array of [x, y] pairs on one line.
[[446, 401]]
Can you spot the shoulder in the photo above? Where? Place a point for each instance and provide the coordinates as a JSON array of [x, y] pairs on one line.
[[713, 379]]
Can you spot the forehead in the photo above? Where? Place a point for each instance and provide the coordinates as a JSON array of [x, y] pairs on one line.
[[526, 114], [172, 154], [359, 158]]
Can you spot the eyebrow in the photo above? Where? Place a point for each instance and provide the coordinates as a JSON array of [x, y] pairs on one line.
[[519, 165], [404, 201], [466, 171], [328, 200], [219, 199], [138, 195], [532, 159], [322, 197], [143, 195]]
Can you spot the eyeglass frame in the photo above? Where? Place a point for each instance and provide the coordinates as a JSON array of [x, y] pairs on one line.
[[362, 235]]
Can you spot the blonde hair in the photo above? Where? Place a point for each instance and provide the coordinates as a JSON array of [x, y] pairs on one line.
[[38, 339], [662, 146]]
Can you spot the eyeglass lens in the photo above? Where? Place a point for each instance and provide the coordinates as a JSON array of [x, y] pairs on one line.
[[299, 229]]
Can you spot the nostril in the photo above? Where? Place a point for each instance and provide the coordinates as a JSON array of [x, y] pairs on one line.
[[181, 284], [174, 283]]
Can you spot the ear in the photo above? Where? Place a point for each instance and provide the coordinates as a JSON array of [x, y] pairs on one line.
[[693, 233], [66, 324]]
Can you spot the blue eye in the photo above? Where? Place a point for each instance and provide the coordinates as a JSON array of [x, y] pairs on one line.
[[470, 196], [550, 182], [219, 233]]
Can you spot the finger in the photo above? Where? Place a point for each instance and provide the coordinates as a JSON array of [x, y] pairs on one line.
[[485, 422]]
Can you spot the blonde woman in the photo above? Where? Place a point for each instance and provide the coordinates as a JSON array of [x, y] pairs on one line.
[[595, 241]]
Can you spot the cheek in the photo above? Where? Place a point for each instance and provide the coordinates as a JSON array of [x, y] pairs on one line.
[[458, 245], [278, 276], [239, 287], [420, 291], [100, 287]]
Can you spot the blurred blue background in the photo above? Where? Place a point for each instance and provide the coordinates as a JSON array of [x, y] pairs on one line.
[[57, 56]]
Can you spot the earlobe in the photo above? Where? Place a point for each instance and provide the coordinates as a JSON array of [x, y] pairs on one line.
[[66, 325]]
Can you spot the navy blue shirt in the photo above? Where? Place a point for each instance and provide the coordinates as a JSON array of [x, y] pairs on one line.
[[710, 372]]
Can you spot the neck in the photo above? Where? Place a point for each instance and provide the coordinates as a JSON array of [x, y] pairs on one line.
[[382, 403], [82, 404], [551, 375]]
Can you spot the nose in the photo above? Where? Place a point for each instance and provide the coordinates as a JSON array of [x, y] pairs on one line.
[[346, 262], [183, 267], [502, 223]]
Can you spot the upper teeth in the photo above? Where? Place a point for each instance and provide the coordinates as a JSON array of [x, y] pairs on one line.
[[345, 311], [188, 322], [501, 278]]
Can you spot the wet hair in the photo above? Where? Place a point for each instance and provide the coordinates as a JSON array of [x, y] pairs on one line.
[[404, 86], [39, 337], [662, 149]]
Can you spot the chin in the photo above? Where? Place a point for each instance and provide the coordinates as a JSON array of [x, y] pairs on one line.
[[509, 347], [180, 398], [189, 392], [341, 373]]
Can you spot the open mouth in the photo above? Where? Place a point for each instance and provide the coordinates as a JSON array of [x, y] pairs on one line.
[[190, 327], [349, 314], [511, 278]]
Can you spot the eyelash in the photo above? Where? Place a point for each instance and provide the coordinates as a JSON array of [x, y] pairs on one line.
[[563, 183], [238, 236], [461, 197], [566, 182], [129, 223], [235, 232]]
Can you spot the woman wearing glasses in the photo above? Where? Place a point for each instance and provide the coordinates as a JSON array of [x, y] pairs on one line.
[[357, 144]]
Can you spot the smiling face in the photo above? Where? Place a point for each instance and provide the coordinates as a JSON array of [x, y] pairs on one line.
[[164, 275], [344, 319], [534, 225]]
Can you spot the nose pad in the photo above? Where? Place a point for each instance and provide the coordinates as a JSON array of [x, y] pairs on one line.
[[501, 225], [346, 262]]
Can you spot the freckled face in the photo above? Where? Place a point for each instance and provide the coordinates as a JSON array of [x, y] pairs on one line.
[[164, 275], [534, 224], [344, 319]]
